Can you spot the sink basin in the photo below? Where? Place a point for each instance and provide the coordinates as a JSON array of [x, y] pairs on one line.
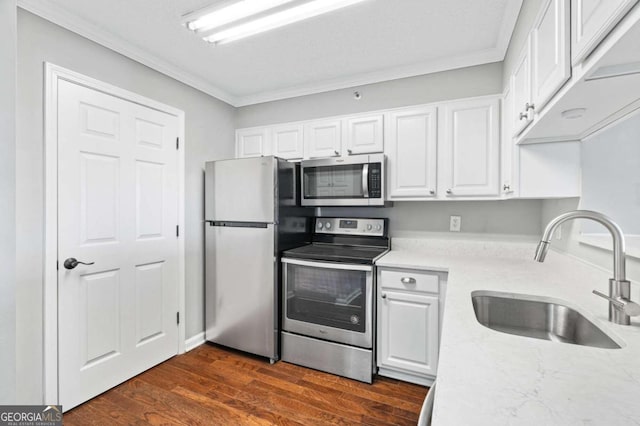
[[527, 316]]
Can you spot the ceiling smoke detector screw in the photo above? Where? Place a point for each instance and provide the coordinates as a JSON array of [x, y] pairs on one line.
[[357, 95]]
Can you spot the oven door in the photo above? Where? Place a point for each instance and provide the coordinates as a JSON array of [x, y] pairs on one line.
[[330, 301]]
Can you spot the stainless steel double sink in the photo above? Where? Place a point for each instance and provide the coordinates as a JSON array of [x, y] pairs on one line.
[[528, 316]]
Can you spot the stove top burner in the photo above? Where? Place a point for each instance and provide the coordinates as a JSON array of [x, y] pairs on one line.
[[354, 240], [337, 253]]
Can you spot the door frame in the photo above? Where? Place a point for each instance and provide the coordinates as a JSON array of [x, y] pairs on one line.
[[53, 74]]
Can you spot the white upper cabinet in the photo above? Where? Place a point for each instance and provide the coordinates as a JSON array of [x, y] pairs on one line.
[[507, 148], [287, 141], [591, 21], [411, 144], [252, 142], [323, 138], [550, 66], [363, 135], [521, 91], [470, 148]]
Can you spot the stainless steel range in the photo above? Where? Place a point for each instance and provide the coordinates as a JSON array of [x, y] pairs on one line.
[[328, 306]]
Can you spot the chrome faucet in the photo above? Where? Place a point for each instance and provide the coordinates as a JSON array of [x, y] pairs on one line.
[[620, 307]]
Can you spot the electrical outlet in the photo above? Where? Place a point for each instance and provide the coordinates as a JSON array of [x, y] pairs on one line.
[[558, 232], [454, 223]]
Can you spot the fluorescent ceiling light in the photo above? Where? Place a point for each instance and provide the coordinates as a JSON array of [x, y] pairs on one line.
[[278, 19], [231, 13]]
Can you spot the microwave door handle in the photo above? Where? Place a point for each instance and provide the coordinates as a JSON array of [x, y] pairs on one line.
[[365, 180]]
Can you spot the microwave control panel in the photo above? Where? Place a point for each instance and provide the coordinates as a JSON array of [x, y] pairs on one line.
[[351, 226], [375, 180]]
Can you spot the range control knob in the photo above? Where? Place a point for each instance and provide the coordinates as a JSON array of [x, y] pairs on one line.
[[369, 227], [378, 227], [327, 225], [319, 225]]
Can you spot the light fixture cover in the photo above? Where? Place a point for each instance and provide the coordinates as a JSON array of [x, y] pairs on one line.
[[572, 114], [230, 13], [278, 19]]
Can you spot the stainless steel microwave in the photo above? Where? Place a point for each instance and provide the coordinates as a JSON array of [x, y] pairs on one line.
[[357, 180]]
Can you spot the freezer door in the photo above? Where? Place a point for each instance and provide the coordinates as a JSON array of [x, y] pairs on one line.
[[241, 289], [241, 190]]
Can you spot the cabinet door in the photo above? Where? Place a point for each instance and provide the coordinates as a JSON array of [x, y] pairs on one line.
[[411, 139], [363, 135], [508, 148], [521, 91], [470, 144], [591, 21], [252, 143], [550, 67], [287, 141], [408, 333], [323, 139]]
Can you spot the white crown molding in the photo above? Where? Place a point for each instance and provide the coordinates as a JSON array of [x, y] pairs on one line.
[[79, 26], [428, 67]]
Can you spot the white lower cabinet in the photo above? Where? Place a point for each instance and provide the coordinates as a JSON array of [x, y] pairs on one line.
[[408, 327]]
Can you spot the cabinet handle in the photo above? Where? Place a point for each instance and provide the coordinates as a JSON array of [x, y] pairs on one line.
[[432, 192], [336, 154], [384, 296], [349, 152], [529, 106], [506, 187], [449, 191], [408, 280], [524, 116]]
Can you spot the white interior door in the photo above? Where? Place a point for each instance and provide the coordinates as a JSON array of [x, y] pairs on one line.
[[118, 209]]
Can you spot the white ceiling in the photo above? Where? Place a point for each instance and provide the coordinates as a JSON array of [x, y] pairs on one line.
[[373, 41]]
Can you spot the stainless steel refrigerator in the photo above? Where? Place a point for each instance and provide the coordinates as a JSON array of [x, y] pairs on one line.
[[252, 214]]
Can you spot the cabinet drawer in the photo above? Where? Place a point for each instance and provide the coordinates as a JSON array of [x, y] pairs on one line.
[[409, 280]]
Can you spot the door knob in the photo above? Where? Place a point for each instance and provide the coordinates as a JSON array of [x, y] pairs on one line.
[[71, 263]]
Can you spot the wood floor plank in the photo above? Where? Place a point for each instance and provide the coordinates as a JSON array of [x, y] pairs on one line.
[[216, 385]]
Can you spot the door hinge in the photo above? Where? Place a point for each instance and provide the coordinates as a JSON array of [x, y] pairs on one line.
[[57, 265], [177, 230], [177, 143], [177, 317]]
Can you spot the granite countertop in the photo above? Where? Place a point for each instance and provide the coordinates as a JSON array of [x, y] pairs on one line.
[[490, 378]]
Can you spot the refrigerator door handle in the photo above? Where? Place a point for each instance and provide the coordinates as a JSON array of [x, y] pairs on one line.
[[230, 224]]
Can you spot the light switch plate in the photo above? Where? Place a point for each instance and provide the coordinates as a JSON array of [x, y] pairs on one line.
[[455, 222]]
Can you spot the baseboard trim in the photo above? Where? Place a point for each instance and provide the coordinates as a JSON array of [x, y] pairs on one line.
[[194, 342]]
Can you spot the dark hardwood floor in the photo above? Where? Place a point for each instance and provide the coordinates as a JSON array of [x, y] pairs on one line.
[[215, 386]]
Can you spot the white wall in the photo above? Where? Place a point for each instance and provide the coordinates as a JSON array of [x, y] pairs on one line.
[[460, 83], [512, 217], [611, 174], [570, 243], [611, 185], [209, 136], [7, 201]]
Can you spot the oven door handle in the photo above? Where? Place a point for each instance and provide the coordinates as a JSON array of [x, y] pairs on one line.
[[329, 265]]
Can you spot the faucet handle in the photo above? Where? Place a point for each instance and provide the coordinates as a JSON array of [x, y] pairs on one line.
[[625, 305]]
